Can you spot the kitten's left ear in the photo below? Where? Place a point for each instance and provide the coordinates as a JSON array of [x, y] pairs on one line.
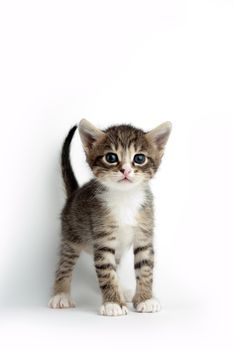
[[160, 135]]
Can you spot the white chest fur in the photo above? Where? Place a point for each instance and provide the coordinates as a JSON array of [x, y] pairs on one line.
[[124, 206]]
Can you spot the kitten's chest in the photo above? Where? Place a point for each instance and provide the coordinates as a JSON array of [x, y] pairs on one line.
[[123, 208], [124, 205]]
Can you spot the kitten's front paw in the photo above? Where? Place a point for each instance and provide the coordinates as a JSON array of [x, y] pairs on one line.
[[149, 305], [113, 309], [61, 301]]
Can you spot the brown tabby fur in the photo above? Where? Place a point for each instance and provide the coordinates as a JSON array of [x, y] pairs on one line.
[[88, 223]]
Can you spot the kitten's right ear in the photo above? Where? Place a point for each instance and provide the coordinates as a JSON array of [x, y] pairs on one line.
[[89, 134]]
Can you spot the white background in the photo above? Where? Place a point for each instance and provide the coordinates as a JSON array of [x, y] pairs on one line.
[[142, 62]]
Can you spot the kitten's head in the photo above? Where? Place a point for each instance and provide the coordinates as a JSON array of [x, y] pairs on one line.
[[123, 156]]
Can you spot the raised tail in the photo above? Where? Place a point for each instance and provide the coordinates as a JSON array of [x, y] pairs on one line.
[[70, 181]]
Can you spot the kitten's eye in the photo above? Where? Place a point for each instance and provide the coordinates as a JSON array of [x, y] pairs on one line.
[[111, 158], [139, 158]]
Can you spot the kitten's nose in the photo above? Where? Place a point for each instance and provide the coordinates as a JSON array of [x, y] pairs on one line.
[[126, 170]]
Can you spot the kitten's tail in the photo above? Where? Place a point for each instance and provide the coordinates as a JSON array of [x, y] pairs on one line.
[[70, 181]]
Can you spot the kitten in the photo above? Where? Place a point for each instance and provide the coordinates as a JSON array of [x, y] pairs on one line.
[[111, 212]]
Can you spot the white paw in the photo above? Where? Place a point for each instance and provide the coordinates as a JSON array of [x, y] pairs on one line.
[[149, 305], [128, 295], [61, 301], [113, 309]]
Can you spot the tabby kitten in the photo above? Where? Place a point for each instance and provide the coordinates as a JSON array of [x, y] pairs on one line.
[[111, 212]]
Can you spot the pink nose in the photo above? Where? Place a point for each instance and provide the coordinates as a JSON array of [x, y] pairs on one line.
[[126, 171]]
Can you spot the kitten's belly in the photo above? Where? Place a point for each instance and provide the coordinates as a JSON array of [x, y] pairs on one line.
[[124, 239]]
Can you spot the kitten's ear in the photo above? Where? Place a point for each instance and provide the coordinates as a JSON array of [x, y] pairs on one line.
[[160, 135], [89, 134]]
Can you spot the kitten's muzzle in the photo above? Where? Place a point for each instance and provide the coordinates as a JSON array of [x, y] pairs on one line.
[[126, 172]]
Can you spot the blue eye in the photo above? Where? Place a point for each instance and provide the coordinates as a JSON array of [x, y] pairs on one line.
[[111, 158], [139, 158]]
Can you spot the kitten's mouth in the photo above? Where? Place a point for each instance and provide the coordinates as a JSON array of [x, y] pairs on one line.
[[125, 180]]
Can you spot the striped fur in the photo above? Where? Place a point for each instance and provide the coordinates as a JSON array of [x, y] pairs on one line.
[[107, 215]]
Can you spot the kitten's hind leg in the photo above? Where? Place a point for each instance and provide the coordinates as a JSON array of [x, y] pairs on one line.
[[61, 290]]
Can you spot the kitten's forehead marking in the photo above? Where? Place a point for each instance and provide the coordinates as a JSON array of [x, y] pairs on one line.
[[124, 157]]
